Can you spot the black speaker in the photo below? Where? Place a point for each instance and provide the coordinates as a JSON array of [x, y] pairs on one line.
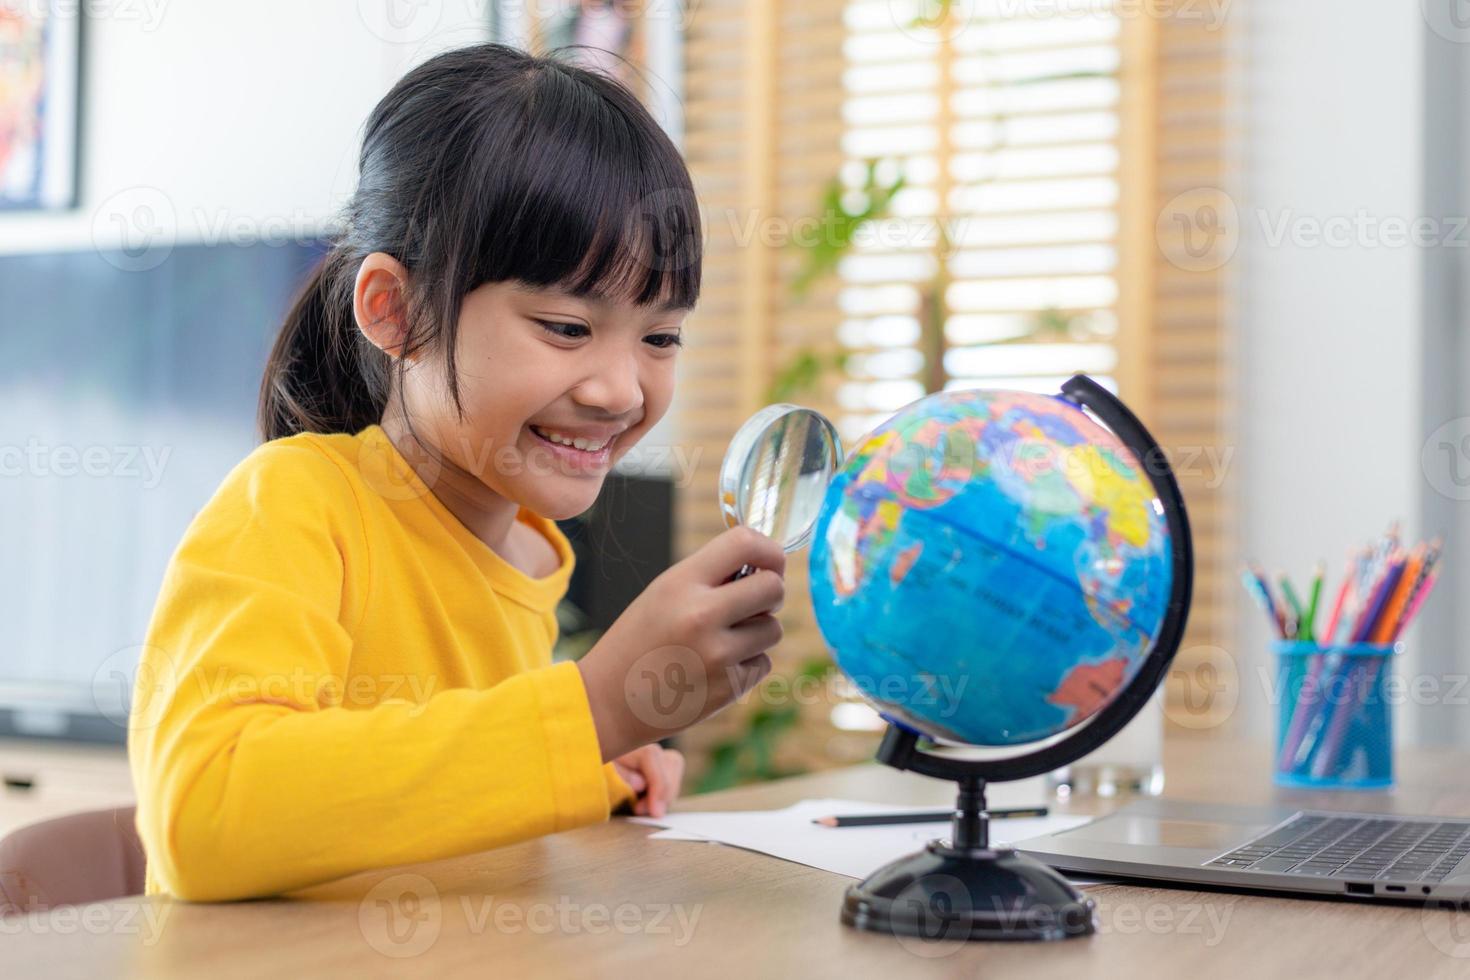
[[622, 543]]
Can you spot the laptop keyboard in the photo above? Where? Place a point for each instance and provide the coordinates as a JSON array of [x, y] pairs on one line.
[[1364, 848]]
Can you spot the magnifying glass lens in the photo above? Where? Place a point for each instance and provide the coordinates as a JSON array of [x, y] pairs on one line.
[[776, 473]]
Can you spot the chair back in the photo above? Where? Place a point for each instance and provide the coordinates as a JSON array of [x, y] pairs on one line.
[[82, 857]]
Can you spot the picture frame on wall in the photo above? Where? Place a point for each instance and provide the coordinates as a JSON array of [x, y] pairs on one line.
[[639, 42], [40, 74]]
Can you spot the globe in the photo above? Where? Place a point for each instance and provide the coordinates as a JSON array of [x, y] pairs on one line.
[[990, 567]]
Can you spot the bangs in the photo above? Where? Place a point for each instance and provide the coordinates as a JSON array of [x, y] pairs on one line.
[[590, 196]]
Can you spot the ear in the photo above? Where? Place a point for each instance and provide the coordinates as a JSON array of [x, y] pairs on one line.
[[380, 302]]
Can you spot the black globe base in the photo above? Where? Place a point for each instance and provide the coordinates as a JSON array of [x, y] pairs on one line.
[[946, 893], [963, 888]]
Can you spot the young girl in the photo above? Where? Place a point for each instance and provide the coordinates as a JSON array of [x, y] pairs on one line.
[[349, 663]]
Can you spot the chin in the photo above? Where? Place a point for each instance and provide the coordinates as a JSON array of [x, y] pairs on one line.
[[566, 504]]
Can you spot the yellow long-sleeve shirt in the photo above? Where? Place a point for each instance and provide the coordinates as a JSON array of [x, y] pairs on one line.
[[338, 675]]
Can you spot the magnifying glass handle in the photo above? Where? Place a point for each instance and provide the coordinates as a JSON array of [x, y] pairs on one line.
[[744, 571]]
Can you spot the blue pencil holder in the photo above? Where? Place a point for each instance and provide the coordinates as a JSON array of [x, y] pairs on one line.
[[1334, 722]]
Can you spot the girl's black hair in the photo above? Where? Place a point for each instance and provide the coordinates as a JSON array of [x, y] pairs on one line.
[[485, 164]]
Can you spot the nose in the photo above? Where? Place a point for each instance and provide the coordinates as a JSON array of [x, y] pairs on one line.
[[614, 387]]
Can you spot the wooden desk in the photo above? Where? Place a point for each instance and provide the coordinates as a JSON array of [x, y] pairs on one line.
[[606, 901]]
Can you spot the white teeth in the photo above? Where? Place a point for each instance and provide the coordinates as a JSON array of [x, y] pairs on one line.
[[582, 443]]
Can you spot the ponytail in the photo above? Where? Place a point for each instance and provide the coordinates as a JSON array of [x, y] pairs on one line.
[[323, 375]]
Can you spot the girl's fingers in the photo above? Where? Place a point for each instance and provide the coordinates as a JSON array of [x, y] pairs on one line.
[[760, 592], [655, 773], [658, 781], [671, 766], [729, 551], [633, 778]]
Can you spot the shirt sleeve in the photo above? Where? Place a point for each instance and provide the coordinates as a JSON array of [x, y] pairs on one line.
[[255, 777], [619, 793]]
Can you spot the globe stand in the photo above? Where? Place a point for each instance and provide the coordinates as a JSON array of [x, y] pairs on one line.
[[964, 888]]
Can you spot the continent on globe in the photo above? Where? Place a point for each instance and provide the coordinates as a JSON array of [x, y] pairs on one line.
[[1003, 542], [904, 561], [1087, 687]]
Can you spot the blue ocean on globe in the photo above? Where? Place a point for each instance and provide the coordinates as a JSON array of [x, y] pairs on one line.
[[990, 567]]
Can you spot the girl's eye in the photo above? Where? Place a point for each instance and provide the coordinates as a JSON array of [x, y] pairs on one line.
[[665, 341], [576, 331], [567, 330]]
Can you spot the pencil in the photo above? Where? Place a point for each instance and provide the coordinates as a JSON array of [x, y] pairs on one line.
[[921, 816], [1272, 607], [1311, 617], [1336, 614], [1384, 629], [1414, 607], [1374, 609], [1296, 605], [1323, 753], [1304, 708], [1263, 599]]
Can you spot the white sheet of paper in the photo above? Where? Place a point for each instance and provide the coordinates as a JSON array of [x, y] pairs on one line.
[[852, 851]]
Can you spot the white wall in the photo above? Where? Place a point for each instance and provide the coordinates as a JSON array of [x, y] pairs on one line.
[[1445, 459], [234, 119], [1330, 353]]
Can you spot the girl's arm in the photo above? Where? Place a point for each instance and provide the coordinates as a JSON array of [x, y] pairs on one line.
[[252, 777]]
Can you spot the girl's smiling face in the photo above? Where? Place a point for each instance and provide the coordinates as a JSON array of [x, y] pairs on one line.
[[536, 366]]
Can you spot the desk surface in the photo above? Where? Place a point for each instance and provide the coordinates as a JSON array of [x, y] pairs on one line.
[[607, 899]]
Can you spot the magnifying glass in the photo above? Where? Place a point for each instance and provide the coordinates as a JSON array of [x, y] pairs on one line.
[[776, 472]]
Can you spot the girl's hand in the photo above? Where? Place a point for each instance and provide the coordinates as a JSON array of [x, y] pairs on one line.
[[691, 644], [654, 773]]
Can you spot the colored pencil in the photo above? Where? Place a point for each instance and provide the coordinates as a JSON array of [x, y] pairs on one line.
[[1387, 623], [1374, 608], [1272, 606], [1418, 600], [1298, 613], [1356, 677], [1316, 597], [1337, 606]]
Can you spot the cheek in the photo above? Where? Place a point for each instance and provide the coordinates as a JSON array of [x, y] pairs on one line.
[[503, 386], [657, 382], [658, 390]]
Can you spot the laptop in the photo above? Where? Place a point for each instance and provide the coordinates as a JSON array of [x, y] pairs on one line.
[[1273, 848]]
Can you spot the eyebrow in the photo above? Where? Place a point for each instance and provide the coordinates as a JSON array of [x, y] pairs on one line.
[[591, 295]]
